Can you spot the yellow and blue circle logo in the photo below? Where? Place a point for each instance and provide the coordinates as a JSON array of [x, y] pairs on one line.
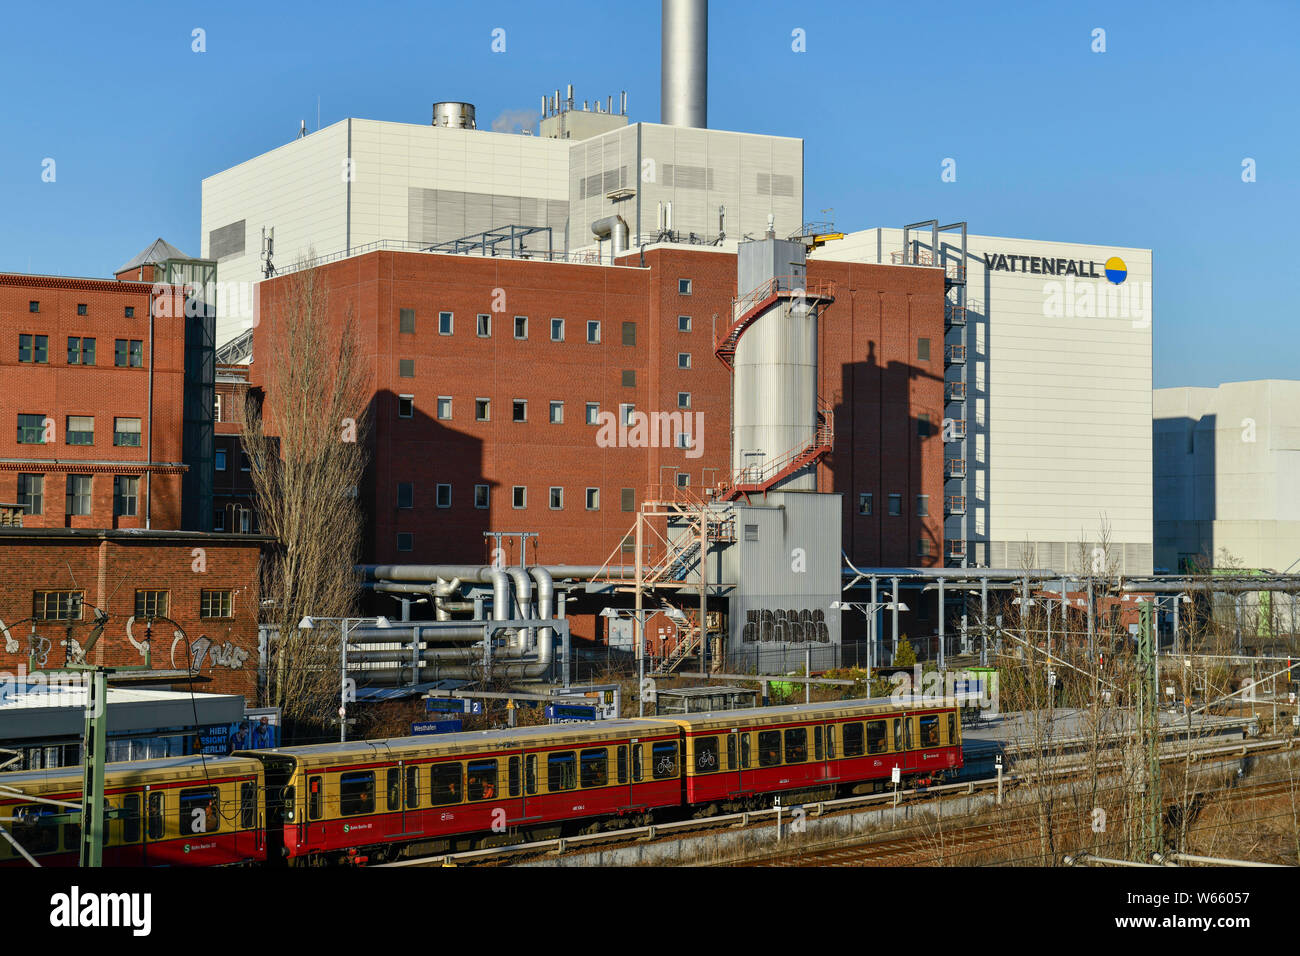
[[1116, 270]]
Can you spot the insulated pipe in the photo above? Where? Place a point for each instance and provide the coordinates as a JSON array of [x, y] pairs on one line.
[[545, 600], [425, 573], [612, 227]]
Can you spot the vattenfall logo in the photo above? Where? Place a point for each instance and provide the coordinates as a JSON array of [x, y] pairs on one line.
[[1115, 270]]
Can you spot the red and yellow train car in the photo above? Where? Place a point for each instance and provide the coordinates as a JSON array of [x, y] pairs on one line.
[[734, 756], [190, 811], [422, 790]]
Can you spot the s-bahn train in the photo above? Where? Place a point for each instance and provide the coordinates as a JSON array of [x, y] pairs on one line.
[[377, 799]]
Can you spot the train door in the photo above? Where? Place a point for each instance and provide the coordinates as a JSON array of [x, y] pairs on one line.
[[745, 761], [623, 769]]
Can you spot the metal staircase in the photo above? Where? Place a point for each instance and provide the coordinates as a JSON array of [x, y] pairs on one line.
[[747, 308], [761, 479]]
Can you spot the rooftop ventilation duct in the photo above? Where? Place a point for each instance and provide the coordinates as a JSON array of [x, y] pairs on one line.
[[684, 63]]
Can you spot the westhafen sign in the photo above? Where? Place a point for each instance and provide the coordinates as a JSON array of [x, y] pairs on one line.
[[1114, 269]]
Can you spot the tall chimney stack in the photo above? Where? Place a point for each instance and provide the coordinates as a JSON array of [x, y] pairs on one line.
[[684, 63]]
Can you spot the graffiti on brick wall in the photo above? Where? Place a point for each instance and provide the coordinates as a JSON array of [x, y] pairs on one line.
[[804, 626], [203, 649], [11, 643]]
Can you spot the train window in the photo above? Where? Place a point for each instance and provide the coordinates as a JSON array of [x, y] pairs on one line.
[[898, 734], [444, 784], [818, 751], [853, 740], [929, 727], [744, 751], [622, 764], [561, 771], [663, 760], [131, 821], [876, 742], [357, 793], [731, 752], [769, 748], [513, 771], [481, 784], [412, 787], [394, 788], [72, 836], [796, 745], [530, 779], [636, 763], [952, 730], [155, 820], [706, 754], [248, 805], [595, 768], [199, 811], [315, 798], [907, 732], [830, 741], [34, 837]]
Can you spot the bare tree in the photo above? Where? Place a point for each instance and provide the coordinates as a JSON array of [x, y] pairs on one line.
[[306, 444]]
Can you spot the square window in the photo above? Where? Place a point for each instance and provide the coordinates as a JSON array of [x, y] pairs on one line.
[[244, 464], [150, 603], [482, 410], [519, 496], [446, 323], [31, 493], [81, 308], [484, 325], [406, 368], [895, 505], [683, 480], [923, 506], [80, 430], [557, 499], [219, 520], [629, 378], [625, 414], [629, 333], [482, 496], [864, 503], [32, 429], [627, 499], [521, 326], [557, 330], [126, 432], [683, 286], [405, 494], [57, 605], [406, 321], [405, 541], [81, 351], [405, 406], [593, 499], [683, 359], [683, 323], [923, 350], [593, 413], [751, 532], [33, 306], [129, 312], [683, 399], [557, 413], [593, 331], [444, 408], [923, 425], [923, 547], [683, 440], [34, 348], [219, 459], [519, 410], [443, 496]]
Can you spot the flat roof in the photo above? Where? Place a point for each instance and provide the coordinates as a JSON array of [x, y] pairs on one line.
[[34, 711]]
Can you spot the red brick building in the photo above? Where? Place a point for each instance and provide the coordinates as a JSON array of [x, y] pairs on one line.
[[94, 374], [206, 583], [488, 374], [232, 484]]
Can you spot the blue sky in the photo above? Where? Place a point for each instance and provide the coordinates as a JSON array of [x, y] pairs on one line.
[[1139, 146]]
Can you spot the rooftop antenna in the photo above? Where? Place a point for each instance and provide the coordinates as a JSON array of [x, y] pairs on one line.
[[318, 111], [268, 252], [302, 130]]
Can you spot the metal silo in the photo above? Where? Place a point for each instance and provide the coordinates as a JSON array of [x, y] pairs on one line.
[[774, 386]]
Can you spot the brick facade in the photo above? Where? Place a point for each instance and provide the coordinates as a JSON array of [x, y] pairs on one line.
[[869, 372], [108, 568], [42, 380]]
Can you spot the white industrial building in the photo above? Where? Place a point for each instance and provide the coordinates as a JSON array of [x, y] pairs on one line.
[[1227, 476], [1048, 365]]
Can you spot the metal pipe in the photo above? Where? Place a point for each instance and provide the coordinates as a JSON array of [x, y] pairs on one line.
[[684, 63], [425, 573], [545, 600], [615, 228], [1212, 860]]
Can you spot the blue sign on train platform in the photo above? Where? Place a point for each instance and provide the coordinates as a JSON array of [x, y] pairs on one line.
[[450, 726], [569, 712], [452, 705]]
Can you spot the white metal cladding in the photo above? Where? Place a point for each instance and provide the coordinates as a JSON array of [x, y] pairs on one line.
[[1059, 406]]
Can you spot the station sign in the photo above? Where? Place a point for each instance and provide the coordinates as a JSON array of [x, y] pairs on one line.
[[452, 705], [569, 712], [449, 726]]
